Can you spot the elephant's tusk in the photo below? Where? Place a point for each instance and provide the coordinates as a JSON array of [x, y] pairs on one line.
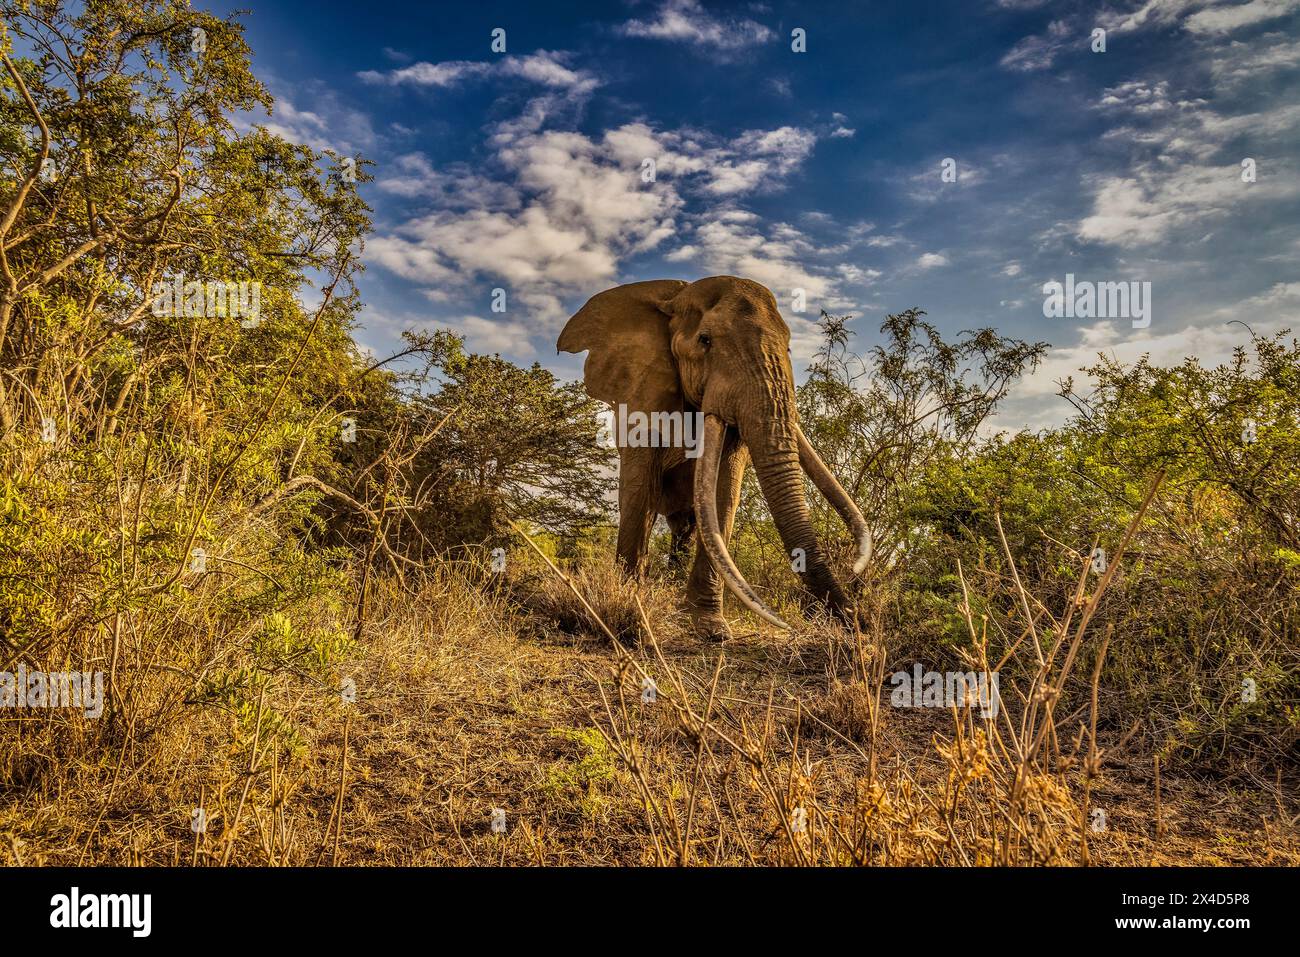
[[706, 513], [840, 500]]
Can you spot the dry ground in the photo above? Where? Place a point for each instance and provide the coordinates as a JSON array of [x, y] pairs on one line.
[[464, 705]]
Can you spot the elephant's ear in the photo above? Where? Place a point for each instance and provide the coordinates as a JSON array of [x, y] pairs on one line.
[[630, 358]]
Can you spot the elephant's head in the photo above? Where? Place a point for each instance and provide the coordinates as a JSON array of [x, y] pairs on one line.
[[719, 346]]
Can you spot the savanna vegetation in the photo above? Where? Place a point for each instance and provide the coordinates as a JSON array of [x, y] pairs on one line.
[[346, 605]]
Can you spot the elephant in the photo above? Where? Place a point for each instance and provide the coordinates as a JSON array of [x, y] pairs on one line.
[[716, 349]]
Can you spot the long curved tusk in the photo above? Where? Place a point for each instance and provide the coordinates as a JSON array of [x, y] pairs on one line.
[[830, 487], [706, 514]]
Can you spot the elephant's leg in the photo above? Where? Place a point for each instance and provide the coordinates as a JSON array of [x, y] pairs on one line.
[[639, 478], [704, 588], [678, 506], [682, 526]]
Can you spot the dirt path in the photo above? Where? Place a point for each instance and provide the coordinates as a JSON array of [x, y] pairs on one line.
[[508, 723]]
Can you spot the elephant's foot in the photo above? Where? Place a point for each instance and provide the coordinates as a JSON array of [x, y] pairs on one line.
[[709, 625]]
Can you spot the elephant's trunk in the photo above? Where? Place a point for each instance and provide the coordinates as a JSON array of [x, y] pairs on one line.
[[775, 449], [706, 515]]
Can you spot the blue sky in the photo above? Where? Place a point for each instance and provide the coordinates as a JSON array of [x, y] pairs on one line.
[[818, 170]]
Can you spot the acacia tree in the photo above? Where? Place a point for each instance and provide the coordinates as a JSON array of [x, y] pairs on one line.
[[1232, 428], [517, 444]]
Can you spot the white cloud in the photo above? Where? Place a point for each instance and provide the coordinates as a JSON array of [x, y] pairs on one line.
[[929, 185], [756, 157], [1040, 52], [544, 67], [736, 245], [884, 241], [1225, 19], [1240, 61], [583, 211], [428, 74], [412, 175], [1287, 293], [330, 125], [687, 21], [295, 125], [1202, 17], [1127, 212], [1192, 180], [1199, 16], [489, 335], [1138, 97], [842, 130], [1212, 340], [1181, 187], [1153, 12], [931, 260], [579, 182], [858, 275], [555, 212]]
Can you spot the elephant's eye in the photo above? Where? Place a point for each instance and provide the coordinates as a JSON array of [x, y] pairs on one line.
[[705, 340]]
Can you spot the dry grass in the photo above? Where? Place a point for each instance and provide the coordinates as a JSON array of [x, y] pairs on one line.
[[608, 601], [774, 749]]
